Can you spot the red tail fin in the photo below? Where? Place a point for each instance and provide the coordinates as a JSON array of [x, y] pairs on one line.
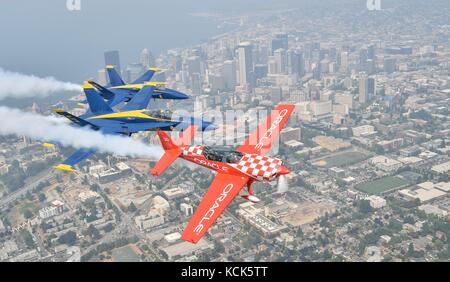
[[166, 142]]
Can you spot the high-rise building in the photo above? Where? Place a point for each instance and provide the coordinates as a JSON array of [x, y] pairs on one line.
[[363, 88], [193, 65], [146, 58], [245, 63], [133, 71], [102, 78], [363, 57], [371, 87], [196, 83], [229, 74], [280, 58], [112, 58], [343, 61], [390, 65], [260, 71], [279, 42]]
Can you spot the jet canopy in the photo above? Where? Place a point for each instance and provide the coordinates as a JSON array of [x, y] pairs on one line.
[[161, 114], [222, 154]]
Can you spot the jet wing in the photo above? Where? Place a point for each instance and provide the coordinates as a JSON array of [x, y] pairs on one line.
[[140, 100], [221, 192], [75, 158], [136, 127], [265, 135]]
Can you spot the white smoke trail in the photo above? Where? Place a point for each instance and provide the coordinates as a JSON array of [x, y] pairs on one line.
[[282, 184], [13, 121], [18, 85]]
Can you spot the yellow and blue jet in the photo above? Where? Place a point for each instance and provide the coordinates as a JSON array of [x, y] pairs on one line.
[[117, 91], [132, 118]]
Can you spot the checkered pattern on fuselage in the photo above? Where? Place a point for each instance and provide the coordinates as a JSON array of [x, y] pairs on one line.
[[259, 167], [193, 151]]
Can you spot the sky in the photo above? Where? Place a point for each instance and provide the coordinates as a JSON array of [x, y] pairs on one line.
[[45, 38]]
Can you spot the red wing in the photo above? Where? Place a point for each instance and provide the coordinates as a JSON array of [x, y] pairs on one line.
[[265, 135], [221, 192]]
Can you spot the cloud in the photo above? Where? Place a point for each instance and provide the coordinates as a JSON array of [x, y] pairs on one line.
[[47, 128], [18, 85]]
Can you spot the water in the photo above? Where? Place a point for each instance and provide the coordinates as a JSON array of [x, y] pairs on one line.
[[44, 38]]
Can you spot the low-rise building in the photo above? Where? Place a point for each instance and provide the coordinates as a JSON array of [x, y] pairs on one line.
[[385, 163], [363, 130], [152, 219], [56, 207], [430, 209], [376, 202], [186, 209], [441, 168]]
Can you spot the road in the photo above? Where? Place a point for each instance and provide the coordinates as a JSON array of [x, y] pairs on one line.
[[126, 226], [29, 186]]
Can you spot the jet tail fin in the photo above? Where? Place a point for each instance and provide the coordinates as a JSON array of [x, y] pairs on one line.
[[147, 76], [96, 104], [114, 77]]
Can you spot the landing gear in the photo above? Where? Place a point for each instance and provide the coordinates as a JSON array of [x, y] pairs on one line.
[[250, 196]]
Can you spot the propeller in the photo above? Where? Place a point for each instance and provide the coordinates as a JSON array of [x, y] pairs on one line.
[[283, 184]]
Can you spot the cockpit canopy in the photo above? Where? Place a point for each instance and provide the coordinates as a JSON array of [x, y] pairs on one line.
[[162, 114], [222, 154]]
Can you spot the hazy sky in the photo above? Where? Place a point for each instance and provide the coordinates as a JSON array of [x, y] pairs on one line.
[[44, 38]]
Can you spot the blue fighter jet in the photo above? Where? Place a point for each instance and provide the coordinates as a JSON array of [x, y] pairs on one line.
[[133, 117], [117, 91]]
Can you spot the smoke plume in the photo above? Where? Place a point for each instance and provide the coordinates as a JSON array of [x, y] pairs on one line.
[[50, 129], [283, 185], [18, 85]]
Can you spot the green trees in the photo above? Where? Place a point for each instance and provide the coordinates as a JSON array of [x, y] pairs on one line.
[[132, 207], [93, 232], [28, 239], [42, 197], [68, 238], [364, 206], [27, 214]]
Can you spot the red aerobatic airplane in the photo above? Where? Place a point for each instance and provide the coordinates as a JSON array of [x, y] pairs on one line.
[[235, 168]]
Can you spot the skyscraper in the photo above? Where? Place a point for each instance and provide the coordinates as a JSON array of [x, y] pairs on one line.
[[146, 58], [112, 58], [245, 63], [280, 58], [102, 77], [363, 88], [390, 65], [133, 71], [280, 41], [229, 74]]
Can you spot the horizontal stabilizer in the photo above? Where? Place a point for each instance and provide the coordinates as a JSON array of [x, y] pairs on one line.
[[78, 121], [166, 160], [103, 91]]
